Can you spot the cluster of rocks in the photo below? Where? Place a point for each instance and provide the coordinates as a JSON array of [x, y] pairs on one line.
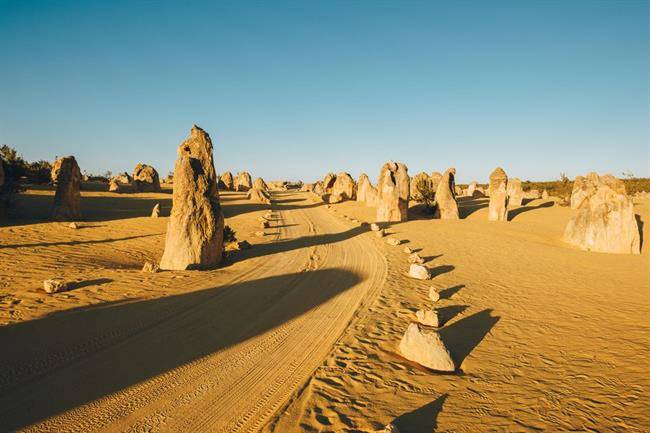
[[604, 220]]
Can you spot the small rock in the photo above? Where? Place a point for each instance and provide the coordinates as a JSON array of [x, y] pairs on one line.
[[428, 317], [55, 285], [407, 250], [415, 258], [392, 241], [155, 212], [73, 225], [381, 233], [390, 428], [374, 227], [426, 348], [150, 267], [260, 234], [433, 294], [264, 224], [354, 220], [419, 272]]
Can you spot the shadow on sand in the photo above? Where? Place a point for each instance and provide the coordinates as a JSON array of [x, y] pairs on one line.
[[463, 336], [513, 213], [74, 357], [422, 419], [469, 205]]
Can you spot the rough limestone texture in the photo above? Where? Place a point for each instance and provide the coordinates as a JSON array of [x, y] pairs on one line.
[[318, 188], [328, 183], [258, 196], [419, 272], [585, 187], [344, 188], [366, 192], [114, 186], [415, 258], [260, 184], [67, 199], [471, 188], [145, 179], [393, 242], [425, 348], [428, 317], [416, 181], [393, 193], [389, 428], [433, 294], [155, 212], [498, 208], [515, 192], [605, 221], [243, 181], [435, 178], [446, 206], [122, 178], [55, 286], [150, 267], [228, 181], [195, 229]]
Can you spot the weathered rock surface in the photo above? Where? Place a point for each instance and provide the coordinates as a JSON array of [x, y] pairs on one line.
[[471, 188], [55, 285], [145, 179], [227, 181], [66, 176], [428, 317], [435, 178], [515, 192], [415, 258], [605, 221], [389, 428], [419, 272], [393, 242], [155, 212], [425, 348], [328, 183], [498, 208], [366, 192], [416, 182], [258, 196], [446, 206], [260, 184], [374, 227], [433, 294], [243, 181], [114, 186], [195, 229], [393, 193], [122, 178], [343, 189], [150, 267]]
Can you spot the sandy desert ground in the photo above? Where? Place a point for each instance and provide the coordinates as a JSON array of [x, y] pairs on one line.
[[299, 333]]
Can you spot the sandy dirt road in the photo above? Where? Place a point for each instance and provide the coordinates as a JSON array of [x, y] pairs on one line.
[[222, 359]]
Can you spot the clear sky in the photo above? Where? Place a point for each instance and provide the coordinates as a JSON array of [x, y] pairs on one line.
[[293, 89]]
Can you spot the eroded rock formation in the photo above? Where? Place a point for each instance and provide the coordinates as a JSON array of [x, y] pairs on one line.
[[145, 179], [66, 176], [446, 206], [498, 190], [393, 193]]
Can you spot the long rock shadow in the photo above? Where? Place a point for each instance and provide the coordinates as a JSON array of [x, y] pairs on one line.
[[423, 419], [293, 244], [71, 358], [463, 336], [513, 213], [469, 205], [99, 241]]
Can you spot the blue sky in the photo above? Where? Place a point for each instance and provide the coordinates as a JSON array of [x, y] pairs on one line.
[[293, 89]]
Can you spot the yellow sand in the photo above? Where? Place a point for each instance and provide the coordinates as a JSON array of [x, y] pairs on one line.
[[546, 337]]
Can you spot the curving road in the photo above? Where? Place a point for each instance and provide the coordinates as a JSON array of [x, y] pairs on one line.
[[223, 359]]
